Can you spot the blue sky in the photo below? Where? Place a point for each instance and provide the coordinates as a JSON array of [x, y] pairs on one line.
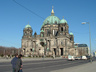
[[13, 19]]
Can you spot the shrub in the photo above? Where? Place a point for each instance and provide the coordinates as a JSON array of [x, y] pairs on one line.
[[1, 55]]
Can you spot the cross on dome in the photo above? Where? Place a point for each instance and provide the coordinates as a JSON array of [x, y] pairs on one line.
[[52, 12]]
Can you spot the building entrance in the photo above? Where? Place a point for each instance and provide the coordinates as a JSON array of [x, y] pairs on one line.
[[55, 51], [61, 51]]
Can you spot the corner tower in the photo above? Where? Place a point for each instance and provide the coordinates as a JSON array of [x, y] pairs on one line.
[[27, 39], [27, 32], [63, 27]]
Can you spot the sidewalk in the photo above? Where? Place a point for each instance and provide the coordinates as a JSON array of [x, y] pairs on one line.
[[28, 59], [89, 67]]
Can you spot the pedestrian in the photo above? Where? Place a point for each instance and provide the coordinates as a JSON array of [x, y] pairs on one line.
[[19, 64], [13, 62], [53, 56]]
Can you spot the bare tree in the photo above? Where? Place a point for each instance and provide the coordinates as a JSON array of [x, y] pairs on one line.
[[8, 50]]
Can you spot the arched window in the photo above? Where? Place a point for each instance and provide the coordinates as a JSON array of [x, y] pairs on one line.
[[61, 42], [48, 33], [55, 22], [41, 35], [47, 22], [30, 49], [71, 39], [24, 33], [65, 28]]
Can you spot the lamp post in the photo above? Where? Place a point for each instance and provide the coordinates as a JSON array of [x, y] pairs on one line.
[[75, 50], [89, 38]]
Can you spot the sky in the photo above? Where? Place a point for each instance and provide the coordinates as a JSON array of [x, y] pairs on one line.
[[16, 14]]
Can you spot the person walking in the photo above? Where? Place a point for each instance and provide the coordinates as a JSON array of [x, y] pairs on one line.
[[13, 62], [19, 64]]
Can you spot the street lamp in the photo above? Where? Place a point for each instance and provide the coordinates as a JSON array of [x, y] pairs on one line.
[[75, 50], [89, 38]]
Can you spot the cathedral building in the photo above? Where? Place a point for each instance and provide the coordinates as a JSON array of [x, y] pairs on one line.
[[54, 38]]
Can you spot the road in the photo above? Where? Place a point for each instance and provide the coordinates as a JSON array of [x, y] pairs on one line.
[[43, 65]]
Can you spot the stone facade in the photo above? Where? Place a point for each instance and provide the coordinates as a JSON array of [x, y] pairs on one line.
[[54, 38]]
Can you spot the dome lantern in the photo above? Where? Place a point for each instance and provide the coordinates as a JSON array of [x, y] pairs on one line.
[[51, 19], [52, 12]]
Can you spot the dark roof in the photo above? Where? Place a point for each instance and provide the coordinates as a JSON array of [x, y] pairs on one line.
[[82, 45]]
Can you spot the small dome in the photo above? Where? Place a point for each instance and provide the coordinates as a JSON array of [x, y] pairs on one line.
[[63, 21], [71, 33], [27, 26], [42, 31]]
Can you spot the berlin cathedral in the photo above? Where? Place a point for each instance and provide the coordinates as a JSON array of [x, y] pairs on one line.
[[54, 38]]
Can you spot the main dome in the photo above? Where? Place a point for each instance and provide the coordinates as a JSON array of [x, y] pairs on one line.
[[51, 19]]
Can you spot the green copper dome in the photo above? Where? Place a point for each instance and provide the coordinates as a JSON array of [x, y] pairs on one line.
[[42, 31], [51, 20], [71, 33], [63, 21], [27, 26]]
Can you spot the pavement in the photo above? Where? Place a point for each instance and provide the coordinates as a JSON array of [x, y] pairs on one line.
[[89, 67], [26, 59]]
